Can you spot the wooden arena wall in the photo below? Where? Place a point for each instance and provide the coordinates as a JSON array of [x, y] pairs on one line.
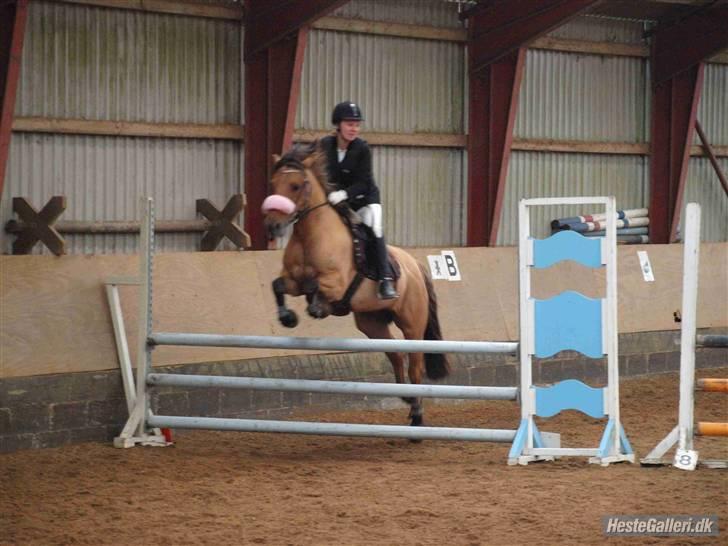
[[54, 317]]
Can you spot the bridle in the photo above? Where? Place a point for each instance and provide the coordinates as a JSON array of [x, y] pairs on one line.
[[300, 214]]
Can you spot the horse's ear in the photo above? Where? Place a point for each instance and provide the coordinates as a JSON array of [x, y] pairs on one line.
[[276, 158]]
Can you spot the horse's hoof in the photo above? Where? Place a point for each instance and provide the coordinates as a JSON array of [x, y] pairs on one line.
[[416, 421], [289, 319], [316, 312]]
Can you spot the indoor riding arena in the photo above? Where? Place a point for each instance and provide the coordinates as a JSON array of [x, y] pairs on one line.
[[203, 338]]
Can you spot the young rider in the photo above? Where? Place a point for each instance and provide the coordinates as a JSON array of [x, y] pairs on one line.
[[350, 171]]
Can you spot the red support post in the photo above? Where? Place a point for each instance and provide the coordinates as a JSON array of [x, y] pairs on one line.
[[678, 52], [275, 41], [13, 15], [257, 157], [674, 109], [493, 106], [285, 61], [497, 33]]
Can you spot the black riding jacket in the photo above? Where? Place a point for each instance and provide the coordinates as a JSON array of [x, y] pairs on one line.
[[354, 173]]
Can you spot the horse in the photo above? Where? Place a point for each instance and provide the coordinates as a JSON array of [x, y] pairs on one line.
[[319, 263]]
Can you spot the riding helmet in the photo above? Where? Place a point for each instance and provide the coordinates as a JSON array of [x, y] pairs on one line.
[[346, 111]]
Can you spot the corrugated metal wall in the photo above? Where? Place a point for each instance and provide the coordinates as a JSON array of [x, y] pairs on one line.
[[582, 97], [103, 177], [403, 86], [93, 63], [536, 174], [702, 184], [579, 97], [436, 13], [601, 29], [598, 98], [96, 63]]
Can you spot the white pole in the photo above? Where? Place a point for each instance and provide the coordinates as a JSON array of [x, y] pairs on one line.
[[525, 321], [333, 387], [691, 261], [335, 429], [333, 344], [611, 328]]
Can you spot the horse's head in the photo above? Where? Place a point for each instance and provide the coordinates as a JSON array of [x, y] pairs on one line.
[[298, 184]]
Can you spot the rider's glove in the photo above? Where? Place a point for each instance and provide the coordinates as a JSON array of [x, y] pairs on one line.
[[336, 197]]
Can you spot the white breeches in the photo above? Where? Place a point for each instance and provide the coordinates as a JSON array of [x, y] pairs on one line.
[[371, 215]]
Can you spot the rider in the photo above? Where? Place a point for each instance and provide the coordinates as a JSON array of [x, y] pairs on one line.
[[350, 171]]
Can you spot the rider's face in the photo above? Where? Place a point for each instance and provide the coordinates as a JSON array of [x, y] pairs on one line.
[[349, 129]]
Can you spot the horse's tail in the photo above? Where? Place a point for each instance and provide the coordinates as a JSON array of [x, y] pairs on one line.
[[436, 364]]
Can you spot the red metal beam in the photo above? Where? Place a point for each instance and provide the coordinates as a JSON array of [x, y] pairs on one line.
[[13, 16], [268, 21], [275, 41], [272, 87], [681, 46], [492, 112], [285, 61], [502, 26], [713, 161], [674, 108], [257, 157]]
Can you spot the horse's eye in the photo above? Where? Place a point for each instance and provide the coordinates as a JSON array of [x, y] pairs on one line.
[[295, 187]]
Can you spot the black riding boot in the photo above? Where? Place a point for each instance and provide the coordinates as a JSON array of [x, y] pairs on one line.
[[387, 290]]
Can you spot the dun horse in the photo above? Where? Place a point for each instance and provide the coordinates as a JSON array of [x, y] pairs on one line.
[[319, 263]]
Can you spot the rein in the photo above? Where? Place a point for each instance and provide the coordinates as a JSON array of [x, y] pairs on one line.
[[301, 214]]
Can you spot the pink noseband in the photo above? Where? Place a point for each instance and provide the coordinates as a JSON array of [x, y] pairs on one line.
[[278, 203]]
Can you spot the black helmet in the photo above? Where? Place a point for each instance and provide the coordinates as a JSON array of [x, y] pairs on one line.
[[346, 111]]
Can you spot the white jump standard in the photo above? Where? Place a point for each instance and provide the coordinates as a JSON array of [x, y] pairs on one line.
[[686, 458], [568, 321]]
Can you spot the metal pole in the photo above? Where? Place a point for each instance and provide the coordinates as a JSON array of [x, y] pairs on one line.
[[144, 326], [333, 387], [712, 340], [334, 429], [333, 344]]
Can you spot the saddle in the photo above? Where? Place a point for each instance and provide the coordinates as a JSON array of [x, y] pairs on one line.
[[365, 258]]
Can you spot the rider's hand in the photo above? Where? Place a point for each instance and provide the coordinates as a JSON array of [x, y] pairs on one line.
[[336, 197]]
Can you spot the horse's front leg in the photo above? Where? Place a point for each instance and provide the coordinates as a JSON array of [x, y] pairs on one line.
[[318, 307], [281, 287]]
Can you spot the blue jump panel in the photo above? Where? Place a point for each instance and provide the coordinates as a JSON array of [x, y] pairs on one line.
[[569, 394], [568, 321], [567, 245]]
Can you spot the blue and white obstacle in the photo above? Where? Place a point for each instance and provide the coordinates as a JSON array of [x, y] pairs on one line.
[[546, 327], [568, 321]]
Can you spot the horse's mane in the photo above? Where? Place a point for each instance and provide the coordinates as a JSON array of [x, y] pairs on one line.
[[295, 157]]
